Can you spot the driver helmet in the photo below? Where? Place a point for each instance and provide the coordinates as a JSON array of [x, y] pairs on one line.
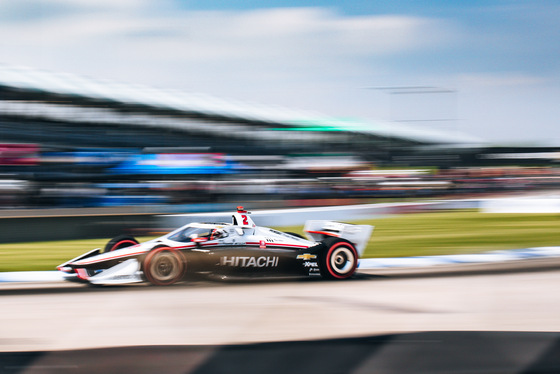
[[218, 234]]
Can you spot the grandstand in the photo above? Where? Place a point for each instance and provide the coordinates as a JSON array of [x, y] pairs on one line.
[[67, 111]]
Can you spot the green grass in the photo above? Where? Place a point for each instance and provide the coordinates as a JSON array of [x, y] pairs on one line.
[[404, 235], [44, 255], [457, 232]]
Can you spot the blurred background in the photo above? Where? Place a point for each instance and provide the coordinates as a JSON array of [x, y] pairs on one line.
[[115, 115], [139, 108]]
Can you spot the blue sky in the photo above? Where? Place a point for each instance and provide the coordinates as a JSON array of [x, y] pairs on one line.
[[494, 64]]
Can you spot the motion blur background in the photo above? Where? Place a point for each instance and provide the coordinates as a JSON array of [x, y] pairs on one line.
[[154, 107], [117, 114]]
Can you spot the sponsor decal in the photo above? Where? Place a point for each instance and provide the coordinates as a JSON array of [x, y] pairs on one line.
[[279, 245], [123, 277], [309, 264], [333, 226], [250, 262], [262, 244], [352, 229], [306, 257]]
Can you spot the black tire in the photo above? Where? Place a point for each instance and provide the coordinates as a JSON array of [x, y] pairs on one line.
[[164, 266], [295, 234], [118, 242], [339, 259]]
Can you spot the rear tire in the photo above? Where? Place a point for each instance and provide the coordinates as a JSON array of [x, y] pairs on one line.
[[339, 259], [164, 266], [118, 242]]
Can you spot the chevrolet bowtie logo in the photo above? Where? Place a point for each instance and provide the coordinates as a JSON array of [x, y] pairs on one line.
[[306, 257]]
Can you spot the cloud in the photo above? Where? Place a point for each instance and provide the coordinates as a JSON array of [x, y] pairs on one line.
[[285, 51], [257, 34], [320, 31]]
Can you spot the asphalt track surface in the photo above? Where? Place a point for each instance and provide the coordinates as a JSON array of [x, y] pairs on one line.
[[455, 320]]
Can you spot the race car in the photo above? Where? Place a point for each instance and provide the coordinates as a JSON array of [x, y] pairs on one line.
[[225, 250]]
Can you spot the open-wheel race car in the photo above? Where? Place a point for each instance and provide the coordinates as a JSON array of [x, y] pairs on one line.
[[236, 249]]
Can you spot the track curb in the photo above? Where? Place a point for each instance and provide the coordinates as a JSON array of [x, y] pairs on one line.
[[478, 258]]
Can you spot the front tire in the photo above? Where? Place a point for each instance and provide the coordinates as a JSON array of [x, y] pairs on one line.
[[164, 266], [118, 242], [339, 259]]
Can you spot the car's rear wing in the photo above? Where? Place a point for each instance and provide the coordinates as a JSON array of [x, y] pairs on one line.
[[359, 235]]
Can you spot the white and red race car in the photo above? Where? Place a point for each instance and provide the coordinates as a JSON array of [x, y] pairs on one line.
[[236, 249]]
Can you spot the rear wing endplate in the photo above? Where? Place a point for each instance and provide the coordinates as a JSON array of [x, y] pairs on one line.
[[358, 235]]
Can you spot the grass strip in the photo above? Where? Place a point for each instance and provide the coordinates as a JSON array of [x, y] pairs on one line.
[[419, 234]]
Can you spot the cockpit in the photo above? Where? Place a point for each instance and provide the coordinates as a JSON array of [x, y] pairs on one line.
[[196, 233]]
